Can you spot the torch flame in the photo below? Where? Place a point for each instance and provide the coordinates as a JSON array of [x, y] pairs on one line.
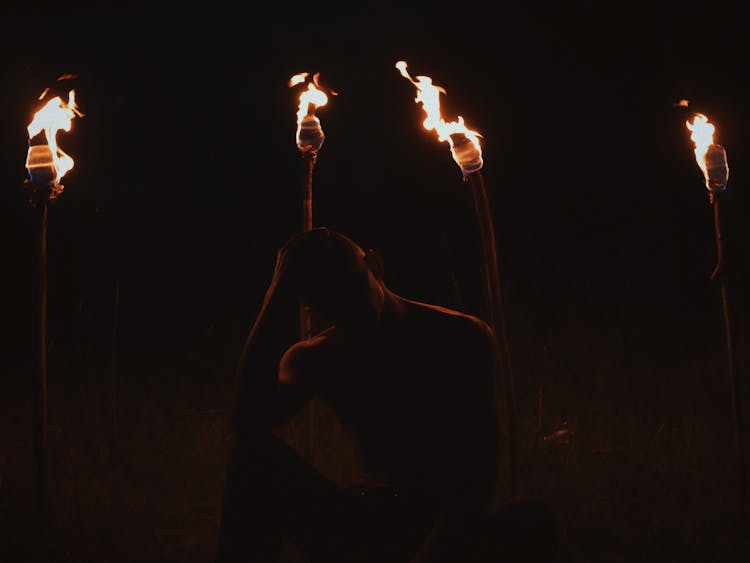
[[309, 100], [467, 155], [298, 78], [309, 133], [703, 137], [56, 115]]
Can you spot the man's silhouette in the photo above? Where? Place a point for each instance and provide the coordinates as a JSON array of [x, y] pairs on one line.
[[413, 387]]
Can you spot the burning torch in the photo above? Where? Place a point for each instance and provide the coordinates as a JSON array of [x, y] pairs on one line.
[[712, 160], [310, 138], [46, 164], [467, 152]]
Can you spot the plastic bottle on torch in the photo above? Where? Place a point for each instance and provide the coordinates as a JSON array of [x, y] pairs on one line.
[[310, 137], [717, 168], [466, 154], [39, 162]]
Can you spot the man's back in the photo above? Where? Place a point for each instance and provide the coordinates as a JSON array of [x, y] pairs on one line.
[[414, 388], [415, 395]]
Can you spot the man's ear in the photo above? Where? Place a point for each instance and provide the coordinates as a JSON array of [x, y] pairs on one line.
[[375, 262]]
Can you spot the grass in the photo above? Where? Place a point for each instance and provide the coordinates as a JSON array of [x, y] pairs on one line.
[[634, 454]]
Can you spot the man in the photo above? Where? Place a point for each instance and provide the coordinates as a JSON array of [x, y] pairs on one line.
[[413, 387]]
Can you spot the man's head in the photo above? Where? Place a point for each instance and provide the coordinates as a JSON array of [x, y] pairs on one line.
[[335, 276]]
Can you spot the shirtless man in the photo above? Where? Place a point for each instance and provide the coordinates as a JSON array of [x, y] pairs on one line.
[[413, 387]]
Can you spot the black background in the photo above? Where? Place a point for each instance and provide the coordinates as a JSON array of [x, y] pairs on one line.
[[187, 179]]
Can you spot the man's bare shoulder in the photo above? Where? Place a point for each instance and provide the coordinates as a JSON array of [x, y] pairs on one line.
[[444, 318]]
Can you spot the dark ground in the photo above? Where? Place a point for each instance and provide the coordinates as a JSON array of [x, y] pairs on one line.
[[187, 180]]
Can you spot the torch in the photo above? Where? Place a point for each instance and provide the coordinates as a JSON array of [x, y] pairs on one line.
[[467, 153], [46, 164], [310, 138], [712, 160]]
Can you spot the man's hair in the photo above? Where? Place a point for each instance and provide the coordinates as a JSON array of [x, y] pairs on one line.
[[321, 257]]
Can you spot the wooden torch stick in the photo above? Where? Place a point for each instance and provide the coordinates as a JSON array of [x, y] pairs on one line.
[[492, 293], [734, 388], [309, 158], [39, 382]]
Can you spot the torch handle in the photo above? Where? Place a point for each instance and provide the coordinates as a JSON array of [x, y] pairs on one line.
[[718, 272], [305, 317], [39, 382], [492, 291], [307, 220], [734, 389], [307, 224]]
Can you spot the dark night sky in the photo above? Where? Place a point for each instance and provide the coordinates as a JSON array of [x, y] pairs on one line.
[[187, 177]]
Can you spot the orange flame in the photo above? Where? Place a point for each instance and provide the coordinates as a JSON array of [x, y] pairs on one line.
[[703, 137], [468, 155], [298, 78], [54, 116], [309, 132]]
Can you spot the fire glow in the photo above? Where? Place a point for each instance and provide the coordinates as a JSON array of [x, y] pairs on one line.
[[464, 142], [46, 162], [310, 135], [703, 137], [710, 157]]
